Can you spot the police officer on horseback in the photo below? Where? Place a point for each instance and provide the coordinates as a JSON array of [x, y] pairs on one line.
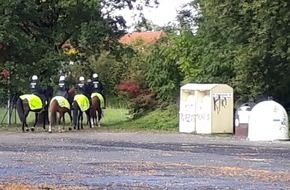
[[36, 89], [63, 87], [34, 86], [82, 88], [97, 87]]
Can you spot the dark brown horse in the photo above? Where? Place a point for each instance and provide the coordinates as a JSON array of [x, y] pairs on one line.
[[23, 109], [79, 101], [95, 112], [61, 106]]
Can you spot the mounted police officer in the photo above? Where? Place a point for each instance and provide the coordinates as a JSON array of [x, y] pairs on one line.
[[34, 86], [63, 87], [36, 89], [81, 86], [97, 87]]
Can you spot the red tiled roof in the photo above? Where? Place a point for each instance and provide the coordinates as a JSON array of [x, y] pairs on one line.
[[146, 37]]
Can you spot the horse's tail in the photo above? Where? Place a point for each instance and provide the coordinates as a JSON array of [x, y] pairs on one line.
[[20, 110], [93, 109], [96, 107], [53, 111]]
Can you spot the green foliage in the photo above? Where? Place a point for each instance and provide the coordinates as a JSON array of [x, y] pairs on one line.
[[32, 34], [240, 43], [111, 70], [162, 72], [141, 101]]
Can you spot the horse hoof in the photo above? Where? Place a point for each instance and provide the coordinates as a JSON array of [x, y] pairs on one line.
[[27, 130], [32, 129], [69, 128]]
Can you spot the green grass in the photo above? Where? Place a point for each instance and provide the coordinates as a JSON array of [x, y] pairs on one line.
[[113, 116], [114, 119], [158, 120]]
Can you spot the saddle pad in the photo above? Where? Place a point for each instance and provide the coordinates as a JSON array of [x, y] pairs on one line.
[[34, 101], [100, 97], [62, 101], [82, 101]]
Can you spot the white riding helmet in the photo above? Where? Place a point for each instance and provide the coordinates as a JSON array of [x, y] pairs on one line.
[[34, 77], [61, 78], [81, 78], [95, 75]]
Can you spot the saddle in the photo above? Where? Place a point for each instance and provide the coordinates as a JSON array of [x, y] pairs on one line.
[[62, 101], [95, 94], [34, 101], [82, 101]]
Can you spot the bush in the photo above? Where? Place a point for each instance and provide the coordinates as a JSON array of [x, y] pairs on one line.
[[164, 119], [141, 100]]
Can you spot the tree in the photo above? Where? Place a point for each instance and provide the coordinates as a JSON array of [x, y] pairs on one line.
[[162, 72], [32, 34], [241, 43]]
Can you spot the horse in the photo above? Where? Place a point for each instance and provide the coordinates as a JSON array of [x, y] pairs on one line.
[[31, 103], [80, 104], [96, 109], [61, 105]]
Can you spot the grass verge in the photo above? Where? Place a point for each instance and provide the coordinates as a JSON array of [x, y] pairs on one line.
[[114, 119]]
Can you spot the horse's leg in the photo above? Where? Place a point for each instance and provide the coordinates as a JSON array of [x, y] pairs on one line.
[[36, 119], [44, 119], [49, 127], [78, 121], [59, 119], [75, 114], [50, 123], [24, 124], [71, 122], [98, 118], [62, 114], [92, 122], [63, 120], [81, 120], [89, 117]]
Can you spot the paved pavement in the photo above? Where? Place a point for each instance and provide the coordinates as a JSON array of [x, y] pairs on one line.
[[91, 159]]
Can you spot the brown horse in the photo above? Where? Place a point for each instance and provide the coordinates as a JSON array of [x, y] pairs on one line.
[[95, 111], [80, 105], [55, 108]]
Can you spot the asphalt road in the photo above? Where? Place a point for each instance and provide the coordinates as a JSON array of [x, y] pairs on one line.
[[118, 160]]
